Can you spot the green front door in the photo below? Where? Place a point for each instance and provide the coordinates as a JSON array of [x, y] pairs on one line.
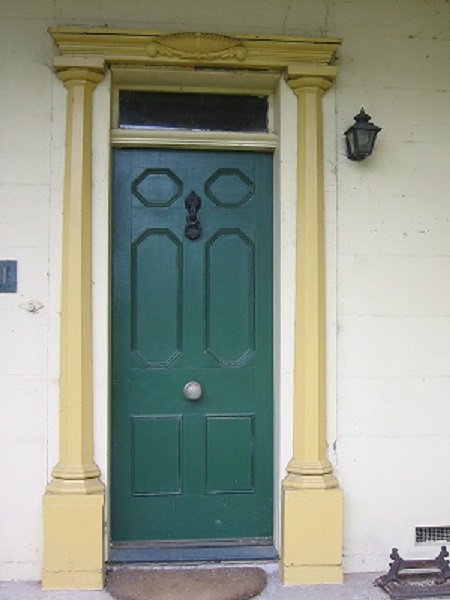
[[191, 303]]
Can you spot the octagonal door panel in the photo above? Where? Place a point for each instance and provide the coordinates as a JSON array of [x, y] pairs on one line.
[[191, 310]]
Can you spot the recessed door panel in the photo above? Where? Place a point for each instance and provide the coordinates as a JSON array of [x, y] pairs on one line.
[[156, 473], [157, 297], [230, 454], [230, 289]]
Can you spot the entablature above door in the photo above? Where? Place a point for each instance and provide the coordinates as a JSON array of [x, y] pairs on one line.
[[156, 48]]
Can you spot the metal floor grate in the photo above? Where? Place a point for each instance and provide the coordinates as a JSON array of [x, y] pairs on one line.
[[429, 535]]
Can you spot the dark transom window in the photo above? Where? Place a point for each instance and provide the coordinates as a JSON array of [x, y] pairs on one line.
[[202, 112]]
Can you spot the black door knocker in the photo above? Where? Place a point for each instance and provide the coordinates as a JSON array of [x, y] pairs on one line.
[[193, 204]]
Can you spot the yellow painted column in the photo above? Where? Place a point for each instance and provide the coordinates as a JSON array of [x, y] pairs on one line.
[[311, 499], [74, 499]]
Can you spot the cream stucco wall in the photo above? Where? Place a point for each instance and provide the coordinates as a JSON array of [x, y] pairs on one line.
[[393, 273], [388, 257]]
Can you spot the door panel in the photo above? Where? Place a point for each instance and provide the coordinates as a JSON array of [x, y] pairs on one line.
[[191, 310], [230, 283]]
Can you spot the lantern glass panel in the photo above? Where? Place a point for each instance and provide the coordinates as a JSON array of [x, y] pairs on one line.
[[352, 142], [365, 140]]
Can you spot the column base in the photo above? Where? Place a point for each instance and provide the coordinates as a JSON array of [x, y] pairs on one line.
[[76, 581], [311, 536], [73, 542], [312, 575]]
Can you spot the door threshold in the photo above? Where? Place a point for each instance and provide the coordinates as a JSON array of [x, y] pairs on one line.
[[192, 551]]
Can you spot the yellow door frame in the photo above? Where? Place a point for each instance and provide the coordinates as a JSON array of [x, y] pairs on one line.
[[311, 527]]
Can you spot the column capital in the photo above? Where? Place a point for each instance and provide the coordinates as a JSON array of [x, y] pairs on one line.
[[302, 77], [79, 69]]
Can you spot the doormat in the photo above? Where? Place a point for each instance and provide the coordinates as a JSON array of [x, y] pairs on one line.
[[236, 583], [428, 578]]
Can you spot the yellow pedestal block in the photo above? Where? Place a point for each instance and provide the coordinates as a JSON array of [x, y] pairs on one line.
[[312, 536], [73, 542]]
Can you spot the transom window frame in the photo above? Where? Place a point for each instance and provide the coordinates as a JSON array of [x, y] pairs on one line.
[[208, 81]]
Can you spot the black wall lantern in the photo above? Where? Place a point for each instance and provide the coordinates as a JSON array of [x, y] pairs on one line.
[[360, 137]]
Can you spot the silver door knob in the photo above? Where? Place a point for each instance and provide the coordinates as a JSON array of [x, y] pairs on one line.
[[192, 390]]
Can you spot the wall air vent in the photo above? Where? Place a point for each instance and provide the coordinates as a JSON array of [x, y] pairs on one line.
[[432, 535]]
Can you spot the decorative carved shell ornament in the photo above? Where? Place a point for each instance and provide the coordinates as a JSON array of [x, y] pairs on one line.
[[196, 46]]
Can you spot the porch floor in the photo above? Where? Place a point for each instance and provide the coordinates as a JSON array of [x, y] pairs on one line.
[[357, 586]]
